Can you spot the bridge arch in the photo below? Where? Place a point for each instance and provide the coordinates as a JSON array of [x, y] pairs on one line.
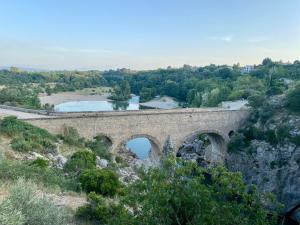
[[105, 139], [155, 151], [217, 151]]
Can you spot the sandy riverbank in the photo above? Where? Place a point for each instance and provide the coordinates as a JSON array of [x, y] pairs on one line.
[[62, 97], [161, 103]]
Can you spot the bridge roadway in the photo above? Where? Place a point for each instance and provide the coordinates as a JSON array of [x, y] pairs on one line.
[[175, 125]]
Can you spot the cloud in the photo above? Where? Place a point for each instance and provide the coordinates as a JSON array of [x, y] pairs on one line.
[[226, 38]]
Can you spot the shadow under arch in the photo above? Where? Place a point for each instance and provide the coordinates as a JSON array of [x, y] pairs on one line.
[[105, 139], [155, 151], [217, 150]]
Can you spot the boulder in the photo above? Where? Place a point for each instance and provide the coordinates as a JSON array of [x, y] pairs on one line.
[[101, 163]]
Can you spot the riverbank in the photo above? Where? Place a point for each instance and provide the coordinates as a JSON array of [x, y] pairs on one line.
[[81, 95], [164, 102]]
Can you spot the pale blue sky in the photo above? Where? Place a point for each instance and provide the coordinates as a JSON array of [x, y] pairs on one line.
[[146, 34]]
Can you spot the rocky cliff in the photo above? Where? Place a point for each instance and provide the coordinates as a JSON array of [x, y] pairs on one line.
[[266, 151]]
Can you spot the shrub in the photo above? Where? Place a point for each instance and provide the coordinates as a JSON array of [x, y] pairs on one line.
[[282, 132], [271, 137], [50, 177], [253, 132], [275, 90], [12, 126], [80, 161], [27, 137], [42, 163], [102, 211], [119, 159], [293, 97], [104, 182], [256, 100], [71, 136], [25, 206], [21, 145], [100, 147], [237, 142]]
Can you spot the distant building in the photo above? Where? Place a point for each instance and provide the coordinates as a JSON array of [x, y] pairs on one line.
[[247, 69]]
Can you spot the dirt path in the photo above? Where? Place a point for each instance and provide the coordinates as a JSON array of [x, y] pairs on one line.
[[19, 114]]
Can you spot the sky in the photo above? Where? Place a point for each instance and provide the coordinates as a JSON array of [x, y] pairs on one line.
[[146, 34]]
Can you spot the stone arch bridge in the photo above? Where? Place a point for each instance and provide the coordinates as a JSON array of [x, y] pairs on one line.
[[159, 126]]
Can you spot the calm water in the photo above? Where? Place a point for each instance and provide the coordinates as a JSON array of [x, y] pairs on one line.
[[93, 106], [140, 146]]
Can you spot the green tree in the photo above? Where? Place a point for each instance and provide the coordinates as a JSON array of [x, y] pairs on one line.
[[80, 161], [121, 92], [145, 94], [183, 193], [267, 62]]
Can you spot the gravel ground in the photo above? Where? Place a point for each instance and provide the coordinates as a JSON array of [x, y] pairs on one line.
[[19, 115]]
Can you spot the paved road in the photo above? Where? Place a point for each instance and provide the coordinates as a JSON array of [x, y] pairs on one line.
[[20, 115]]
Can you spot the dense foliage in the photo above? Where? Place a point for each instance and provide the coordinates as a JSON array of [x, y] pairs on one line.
[[50, 177], [182, 193], [100, 146], [104, 182], [103, 211], [293, 99], [192, 86], [71, 137], [80, 161], [27, 137], [269, 121], [121, 92]]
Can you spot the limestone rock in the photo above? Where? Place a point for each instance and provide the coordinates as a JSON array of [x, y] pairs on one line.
[[61, 161], [271, 169], [58, 160], [101, 163], [34, 156], [127, 175]]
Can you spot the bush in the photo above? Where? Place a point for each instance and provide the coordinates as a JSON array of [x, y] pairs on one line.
[[102, 211], [237, 143], [50, 177], [80, 161], [26, 206], [271, 137], [119, 159], [282, 132], [253, 132], [27, 137], [42, 163], [100, 147], [104, 182], [71, 136], [293, 97]]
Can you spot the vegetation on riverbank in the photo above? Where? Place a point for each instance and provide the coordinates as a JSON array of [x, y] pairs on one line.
[[192, 86]]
